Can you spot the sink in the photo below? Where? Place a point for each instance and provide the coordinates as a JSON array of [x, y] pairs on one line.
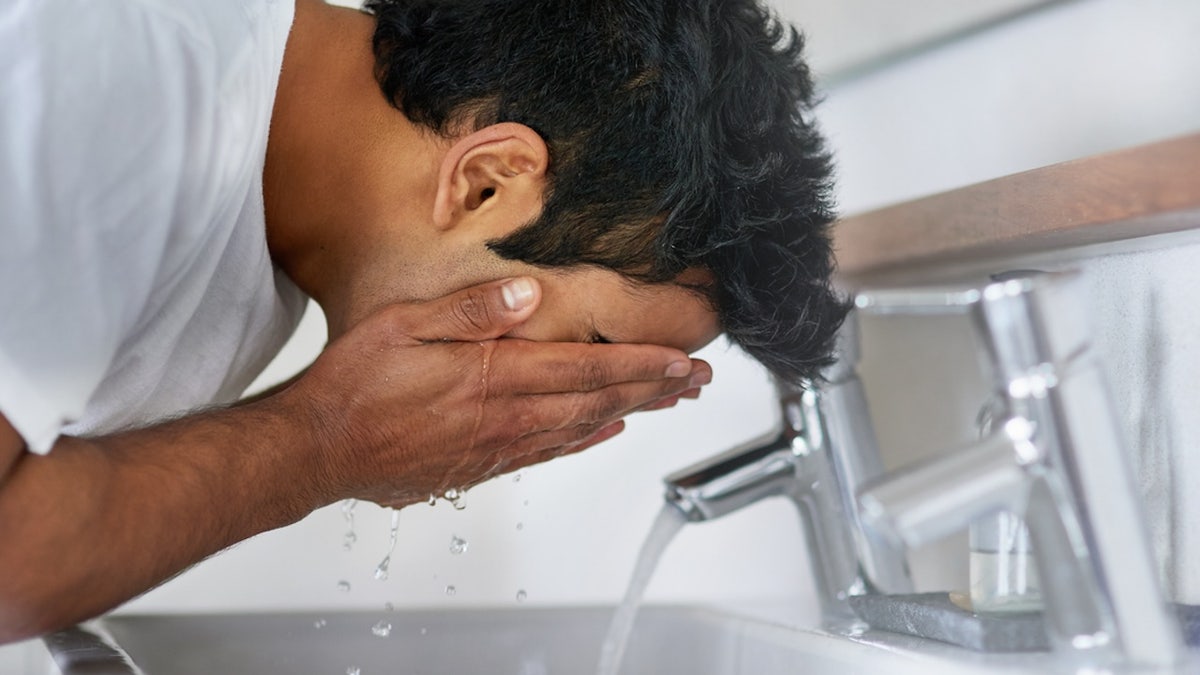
[[524, 641]]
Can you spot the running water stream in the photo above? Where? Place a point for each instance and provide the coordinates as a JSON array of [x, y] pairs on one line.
[[668, 523]]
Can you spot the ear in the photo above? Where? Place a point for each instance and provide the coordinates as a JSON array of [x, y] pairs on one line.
[[492, 179]]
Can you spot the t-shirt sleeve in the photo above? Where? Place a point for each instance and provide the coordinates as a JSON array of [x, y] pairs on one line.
[[98, 101]]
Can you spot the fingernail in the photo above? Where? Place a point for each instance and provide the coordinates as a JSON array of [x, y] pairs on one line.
[[701, 378], [518, 294], [679, 368]]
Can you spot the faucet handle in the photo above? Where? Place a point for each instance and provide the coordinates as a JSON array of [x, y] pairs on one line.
[[930, 301], [1027, 322]]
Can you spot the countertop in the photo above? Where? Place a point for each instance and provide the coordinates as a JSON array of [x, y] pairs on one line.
[[1142, 191]]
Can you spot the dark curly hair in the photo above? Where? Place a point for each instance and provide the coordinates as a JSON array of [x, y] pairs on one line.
[[680, 136]]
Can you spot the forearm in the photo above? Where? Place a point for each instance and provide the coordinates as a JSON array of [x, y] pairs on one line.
[[414, 400], [98, 521]]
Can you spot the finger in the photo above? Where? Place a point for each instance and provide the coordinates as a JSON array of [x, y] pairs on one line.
[[533, 414], [671, 401], [662, 404], [474, 314], [544, 447], [522, 367]]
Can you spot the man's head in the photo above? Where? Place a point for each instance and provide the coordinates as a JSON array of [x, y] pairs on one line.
[[678, 147]]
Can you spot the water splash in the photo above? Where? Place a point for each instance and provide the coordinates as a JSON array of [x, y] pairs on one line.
[[353, 670], [382, 629], [668, 523], [349, 538], [458, 546], [381, 570]]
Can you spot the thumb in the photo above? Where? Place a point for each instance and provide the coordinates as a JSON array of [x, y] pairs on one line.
[[482, 312]]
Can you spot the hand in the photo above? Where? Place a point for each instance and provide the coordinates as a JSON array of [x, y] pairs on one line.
[[421, 398]]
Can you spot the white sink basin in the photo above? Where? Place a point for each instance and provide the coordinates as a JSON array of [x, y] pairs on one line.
[[666, 641]]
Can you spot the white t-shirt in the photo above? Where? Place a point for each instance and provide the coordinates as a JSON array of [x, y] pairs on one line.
[[135, 281]]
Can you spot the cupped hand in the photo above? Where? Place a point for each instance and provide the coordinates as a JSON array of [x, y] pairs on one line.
[[421, 398]]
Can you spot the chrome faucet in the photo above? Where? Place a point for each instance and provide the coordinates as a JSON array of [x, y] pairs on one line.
[[821, 451], [1055, 457]]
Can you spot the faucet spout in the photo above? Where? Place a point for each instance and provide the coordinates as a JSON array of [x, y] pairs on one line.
[[744, 475], [791, 461], [937, 498], [817, 456]]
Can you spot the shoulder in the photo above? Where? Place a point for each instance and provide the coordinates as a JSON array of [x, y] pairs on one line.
[[31, 27]]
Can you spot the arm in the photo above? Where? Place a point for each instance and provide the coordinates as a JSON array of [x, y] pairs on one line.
[[390, 413]]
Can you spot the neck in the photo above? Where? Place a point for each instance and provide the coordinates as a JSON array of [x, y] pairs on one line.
[[333, 140]]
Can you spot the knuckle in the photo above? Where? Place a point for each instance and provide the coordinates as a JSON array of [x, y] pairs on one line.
[[606, 403], [583, 432], [593, 374], [472, 311]]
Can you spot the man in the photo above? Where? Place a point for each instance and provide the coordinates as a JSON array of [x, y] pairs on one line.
[[552, 172]]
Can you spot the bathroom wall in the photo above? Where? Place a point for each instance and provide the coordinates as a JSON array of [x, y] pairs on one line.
[[1072, 79]]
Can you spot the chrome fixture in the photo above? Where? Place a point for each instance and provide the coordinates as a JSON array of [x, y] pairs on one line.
[[821, 451], [1054, 457]]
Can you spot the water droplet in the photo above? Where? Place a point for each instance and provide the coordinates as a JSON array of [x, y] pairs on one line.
[[348, 540], [526, 503], [458, 546], [517, 477], [381, 571], [389, 607], [457, 498], [521, 595], [382, 629], [320, 623], [344, 586], [520, 526], [450, 590], [353, 670], [424, 630], [432, 499]]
